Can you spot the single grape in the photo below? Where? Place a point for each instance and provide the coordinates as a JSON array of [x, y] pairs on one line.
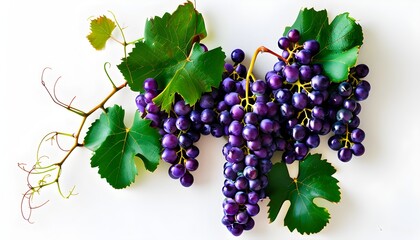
[[237, 55], [293, 35], [345, 154], [312, 46], [361, 70]]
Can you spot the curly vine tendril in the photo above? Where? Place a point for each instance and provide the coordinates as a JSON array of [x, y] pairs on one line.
[[42, 174]]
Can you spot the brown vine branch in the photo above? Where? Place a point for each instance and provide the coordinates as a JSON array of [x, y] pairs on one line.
[[46, 172]]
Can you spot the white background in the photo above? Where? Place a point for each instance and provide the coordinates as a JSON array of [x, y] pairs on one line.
[[380, 191]]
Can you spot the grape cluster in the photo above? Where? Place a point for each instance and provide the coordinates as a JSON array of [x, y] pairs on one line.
[[311, 105], [343, 112], [253, 132], [178, 132], [286, 111]]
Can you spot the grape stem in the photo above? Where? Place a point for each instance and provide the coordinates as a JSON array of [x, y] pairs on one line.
[[249, 74]]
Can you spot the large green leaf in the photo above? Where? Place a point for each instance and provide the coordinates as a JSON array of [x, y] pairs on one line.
[[169, 54], [339, 41], [101, 30], [314, 181], [115, 146]]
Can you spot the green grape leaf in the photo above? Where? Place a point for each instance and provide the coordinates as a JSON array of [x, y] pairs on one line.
[[101, 30], [115, 146], [339, 41], [170, 53], [314, 181]]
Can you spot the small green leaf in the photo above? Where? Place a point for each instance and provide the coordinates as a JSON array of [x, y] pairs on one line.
[[115, 146], [169, 53], [101, 30], [339, 41], [314, 181]]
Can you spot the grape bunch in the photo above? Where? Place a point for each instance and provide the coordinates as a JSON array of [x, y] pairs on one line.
[[285, 111], [344, 109], [311, 105], [177, 130], [253, 133]]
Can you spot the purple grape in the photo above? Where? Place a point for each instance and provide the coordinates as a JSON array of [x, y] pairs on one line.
[[320, 82], [284, 43], [293, 35], [236, 141], [241, 183], [334, 142], [180, 108], [316, 98], [301, 150], [299, 132], [231, 175], [155, 119], [318, 112], [251, 118], [232, 98], [169, 125], [150, 84], [344, 115], [317, 69], [250, 132], [357, 135], [315, 125], [283, 95], [177, 170], [191, 164], [241, 70], [237, 55], [312, 46], [183, 123], [185, 141], [252, 209], [249, 225], [235, 128], [217, 130], [250, 172], [291, 73], [361, 93], [350, 104], [313, 141], [192, 152], [305, 73], [265, 166], [234, 155], [206, 101], [236, 229], [241, 197], [361, 70], [345, 154], [187, 180], [345, 89], [169, 155], [299, 100], [258, 87], [303, 56], [266, 126], [358, 149], [339, 128], [237, 112], [278, 66], [169, 141], [208, 116], [231, 208]]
